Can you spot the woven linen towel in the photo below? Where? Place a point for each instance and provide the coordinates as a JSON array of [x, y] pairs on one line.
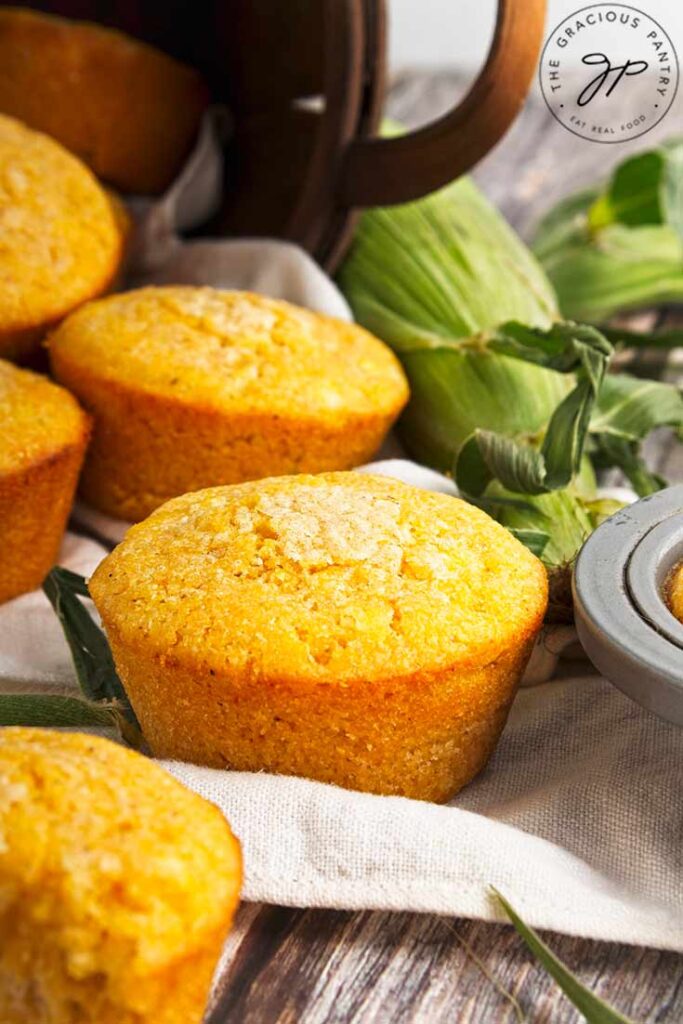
[[577, 819]]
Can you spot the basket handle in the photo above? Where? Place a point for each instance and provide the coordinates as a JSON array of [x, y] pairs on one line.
[[382, 171]]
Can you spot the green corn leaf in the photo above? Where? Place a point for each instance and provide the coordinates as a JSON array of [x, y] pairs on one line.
[[564, 225], [630, 407], [518, 465], [503, 393], [673, 186], [624, 338], [433, 279], [57, 711], [491, 456], [454, 391], [619, 269], [634, 195], [600, 510], [612, 452], [645, 189], [534, 540], [89, 648], [444, 267], [565, 347], [565, 516], [620, 247], [593, 1009]]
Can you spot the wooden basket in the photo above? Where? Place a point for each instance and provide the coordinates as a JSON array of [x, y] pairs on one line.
[[305, 82]]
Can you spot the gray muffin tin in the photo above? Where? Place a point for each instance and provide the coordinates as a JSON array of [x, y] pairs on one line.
[[622, 619]]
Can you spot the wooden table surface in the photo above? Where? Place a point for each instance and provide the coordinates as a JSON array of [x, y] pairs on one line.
[[284, 966]]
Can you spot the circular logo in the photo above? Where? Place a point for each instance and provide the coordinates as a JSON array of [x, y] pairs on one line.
[[609, 73]]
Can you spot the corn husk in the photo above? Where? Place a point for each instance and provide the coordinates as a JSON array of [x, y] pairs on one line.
[[504, 394], [431, 278], [619, 247]]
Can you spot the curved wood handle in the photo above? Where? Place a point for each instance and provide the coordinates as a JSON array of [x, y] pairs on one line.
[[379, 172]]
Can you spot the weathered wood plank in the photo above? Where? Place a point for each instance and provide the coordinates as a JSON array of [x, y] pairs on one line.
[[333, 967]]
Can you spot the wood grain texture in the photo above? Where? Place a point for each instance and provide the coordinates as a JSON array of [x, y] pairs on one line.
[[313, 966], [284, 966]]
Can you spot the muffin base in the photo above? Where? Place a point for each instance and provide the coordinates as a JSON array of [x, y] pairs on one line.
[[424, 736], [147, 448], [34, 506], [35, 987]]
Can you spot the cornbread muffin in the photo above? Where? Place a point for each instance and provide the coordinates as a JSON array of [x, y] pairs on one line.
[[61, 239], [43, 436], [127, 110], [191, 387], [675, 592], [344, 627], [117, 885]]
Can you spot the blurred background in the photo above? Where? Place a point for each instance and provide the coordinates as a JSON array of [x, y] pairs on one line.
[[455, 34], [436, 48]]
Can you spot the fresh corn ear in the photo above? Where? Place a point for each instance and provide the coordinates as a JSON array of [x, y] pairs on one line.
[[430, 278], [619, 247], [504, 394]]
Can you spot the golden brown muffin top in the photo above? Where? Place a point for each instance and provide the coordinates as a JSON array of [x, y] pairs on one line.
[[37, 418], [60, 240], [232, 351], [674, 588], [112, 854], [125, 108], [335, 578]]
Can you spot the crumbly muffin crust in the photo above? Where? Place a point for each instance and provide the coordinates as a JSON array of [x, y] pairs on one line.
[[117, 885], [43, 437], [341, 577], [37, 418], [231, 350], [61, 241], [191, 387], [342, 626]]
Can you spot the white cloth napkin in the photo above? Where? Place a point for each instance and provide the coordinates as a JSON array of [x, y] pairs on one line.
[[578, 817]]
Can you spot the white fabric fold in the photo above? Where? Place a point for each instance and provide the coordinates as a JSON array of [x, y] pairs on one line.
[[578, 817], [577, 820]]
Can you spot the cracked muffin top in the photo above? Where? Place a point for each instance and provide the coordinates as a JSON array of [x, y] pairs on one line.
[[61, 239], [231, 350], [37, 418], [329, 578], [111, 873]]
